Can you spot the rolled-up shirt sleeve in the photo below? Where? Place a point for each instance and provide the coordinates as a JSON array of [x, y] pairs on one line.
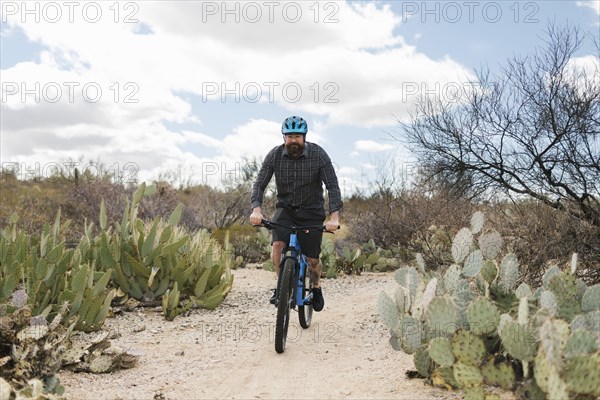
[[328, 176], [262, 180]]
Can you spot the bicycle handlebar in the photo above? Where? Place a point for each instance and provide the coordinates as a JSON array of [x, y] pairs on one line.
[[269, 225]]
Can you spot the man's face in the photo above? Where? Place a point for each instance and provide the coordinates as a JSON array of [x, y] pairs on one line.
[[294, 144]]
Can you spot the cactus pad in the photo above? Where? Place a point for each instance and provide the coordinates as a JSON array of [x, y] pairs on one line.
[[477, 221], [541, 371], [103, 363], [420, 262], [410, 334], [566, 291], [408, 278], [473, 264], [580, 342], [440, 351], [461, 245], [388, 311], [548, 302], [401, 300], [502, 374], [508, 273], [524, 291], [553, 338], [518, 340], [468, 348], [463, 295], [582, 374], [467, 375], [416, 308], [489, 271], [504, 301], [441, 317], [529, 390], [548, 274], [474, 393], [523, 315], [490, 244], [483, 316], [444, 377], [591, 299], [429, 293], [423, 362], [451, 278], [19, 298]]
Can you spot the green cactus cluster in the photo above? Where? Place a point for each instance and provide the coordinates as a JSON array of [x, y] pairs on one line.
[[45, 286], [355, 262], [48, 275], [147, 262], [473, 324]]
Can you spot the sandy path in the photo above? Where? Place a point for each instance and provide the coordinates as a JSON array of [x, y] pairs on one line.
[[229, 352]]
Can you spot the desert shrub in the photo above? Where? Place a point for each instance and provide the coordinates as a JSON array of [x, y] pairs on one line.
[[542, 236], [246, 241], [404, 221]]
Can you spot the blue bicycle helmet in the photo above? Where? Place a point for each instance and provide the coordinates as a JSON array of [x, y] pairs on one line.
[[294, 124]]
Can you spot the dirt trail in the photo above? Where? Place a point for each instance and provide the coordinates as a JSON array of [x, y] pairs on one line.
[[229, 352]]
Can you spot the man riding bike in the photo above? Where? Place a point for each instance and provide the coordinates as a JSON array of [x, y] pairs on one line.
[[300, 170]]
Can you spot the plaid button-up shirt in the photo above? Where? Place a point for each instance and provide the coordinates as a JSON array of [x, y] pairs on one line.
[[299, 181]]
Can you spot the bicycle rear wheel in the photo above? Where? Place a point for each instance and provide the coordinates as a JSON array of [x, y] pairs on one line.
[[285, 296], [305, 311]]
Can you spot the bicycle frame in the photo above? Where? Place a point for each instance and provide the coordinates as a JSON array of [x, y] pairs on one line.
[[294, 275], [301, 265]]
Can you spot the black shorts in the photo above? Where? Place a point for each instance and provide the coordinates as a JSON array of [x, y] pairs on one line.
[[310, 243]]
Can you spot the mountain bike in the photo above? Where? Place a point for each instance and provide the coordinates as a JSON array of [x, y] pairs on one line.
[[294, 285]]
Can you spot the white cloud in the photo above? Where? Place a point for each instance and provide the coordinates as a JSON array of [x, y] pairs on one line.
[[371, 146], [359, 62], [593, 4], [347, 171]]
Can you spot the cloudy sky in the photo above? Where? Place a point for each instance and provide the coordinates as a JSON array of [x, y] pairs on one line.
[[146, 87]]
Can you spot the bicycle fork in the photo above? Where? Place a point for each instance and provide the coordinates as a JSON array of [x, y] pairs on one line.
[[300, 299]]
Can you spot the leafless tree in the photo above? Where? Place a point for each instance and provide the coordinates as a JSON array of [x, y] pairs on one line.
[[531, 130]]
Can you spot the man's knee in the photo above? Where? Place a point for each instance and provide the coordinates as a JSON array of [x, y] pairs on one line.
[[278, 245], [313, 262]]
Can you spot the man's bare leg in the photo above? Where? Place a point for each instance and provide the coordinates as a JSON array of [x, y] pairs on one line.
[[276, 250], [315, 267]]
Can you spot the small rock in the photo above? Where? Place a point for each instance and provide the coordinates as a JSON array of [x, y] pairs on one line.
[[180, 353], [139, 328]]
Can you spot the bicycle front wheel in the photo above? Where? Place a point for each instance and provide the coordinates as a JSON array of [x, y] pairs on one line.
[[305, 311], [285, 297]]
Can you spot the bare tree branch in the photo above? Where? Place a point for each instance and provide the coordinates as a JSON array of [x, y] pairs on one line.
[[533, 129]]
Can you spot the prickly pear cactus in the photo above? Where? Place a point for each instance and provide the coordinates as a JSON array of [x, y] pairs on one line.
[[461, 246], [591, 299], [490, 244], [501, 374], [471, 325], [582, 375], [467, 375], [441, 317], [483, 316], [468, 348], [477, 221], [440, 351], [423, 362], [473, 264]]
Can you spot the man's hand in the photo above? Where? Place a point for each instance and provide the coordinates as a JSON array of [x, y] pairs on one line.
[[333, 223], [256, 217]]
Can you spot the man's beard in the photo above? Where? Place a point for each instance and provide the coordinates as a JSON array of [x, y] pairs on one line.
[[294, 149]]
